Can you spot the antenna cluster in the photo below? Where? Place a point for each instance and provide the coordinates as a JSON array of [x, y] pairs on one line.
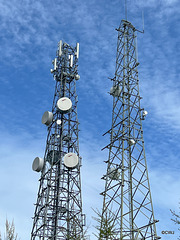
[[58, 211]]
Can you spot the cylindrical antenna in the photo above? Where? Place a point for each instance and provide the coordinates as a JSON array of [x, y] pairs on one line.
[[143, 20], [55, 64], [77, 50], [136, 49], [60, 48], [71, 60], [126, 9]]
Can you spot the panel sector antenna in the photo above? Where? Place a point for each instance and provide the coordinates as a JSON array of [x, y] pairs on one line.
[[58, 210], [127, 202]]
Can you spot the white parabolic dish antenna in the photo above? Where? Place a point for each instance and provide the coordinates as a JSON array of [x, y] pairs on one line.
[[145, 113], [71, 160], [113, 173], [38, 164], [64, 104], [47, 118], [77, 77], [131, 142], [58, 122]]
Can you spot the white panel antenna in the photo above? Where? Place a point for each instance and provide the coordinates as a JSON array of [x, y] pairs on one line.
[[77, 50], [55, 64], [71, 60], [60, 47]]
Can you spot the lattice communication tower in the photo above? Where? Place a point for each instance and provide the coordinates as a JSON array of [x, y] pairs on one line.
[[58, 211], [127, 203]]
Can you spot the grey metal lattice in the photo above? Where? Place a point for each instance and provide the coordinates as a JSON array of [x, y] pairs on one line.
[[127, 197], [58, 211]]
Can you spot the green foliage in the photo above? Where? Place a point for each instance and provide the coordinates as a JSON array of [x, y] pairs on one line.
[[105, 225], [74, 232]]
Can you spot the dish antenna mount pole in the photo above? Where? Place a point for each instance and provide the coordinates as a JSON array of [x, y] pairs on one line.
[[127, 211], [58, 210]]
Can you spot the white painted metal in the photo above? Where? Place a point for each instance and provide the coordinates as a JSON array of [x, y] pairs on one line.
[[145, 113], [71, 160], [58, 122], [131, 142], [60, 48], [64, 104], [77, 50], [77, 77], [55, 64], [71, 60]]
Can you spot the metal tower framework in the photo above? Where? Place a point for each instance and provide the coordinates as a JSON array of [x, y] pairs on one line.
[[58, 211], [127, 197]]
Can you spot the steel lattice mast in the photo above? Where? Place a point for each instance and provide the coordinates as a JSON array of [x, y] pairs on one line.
[[58, 211], [127, 198]]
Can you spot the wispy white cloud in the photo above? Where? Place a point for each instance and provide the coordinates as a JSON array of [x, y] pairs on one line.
[[18, 182], [29, 33], [154, 3], [17, 153], [164, 188]]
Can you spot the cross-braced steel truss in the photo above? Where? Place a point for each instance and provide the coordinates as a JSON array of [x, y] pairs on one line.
[[127, 197], [58, 211]]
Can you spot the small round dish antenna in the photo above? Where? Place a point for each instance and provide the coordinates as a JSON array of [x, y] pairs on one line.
[[64, 104], [38, 164], [113, 173], [144, 113], [115, 91], [47, 118], [77, 77], [131, 142], [58, 122], [71, 160]]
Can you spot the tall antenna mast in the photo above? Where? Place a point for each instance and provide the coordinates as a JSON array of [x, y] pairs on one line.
[[125, 9], [58, 212], [127, 212]]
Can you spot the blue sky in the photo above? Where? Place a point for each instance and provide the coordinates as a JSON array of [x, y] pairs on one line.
[[29, 33]]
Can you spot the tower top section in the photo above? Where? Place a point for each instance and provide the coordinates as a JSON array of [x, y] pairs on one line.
[[128, 24], [66, 62], [127, 202], [63, 46]]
